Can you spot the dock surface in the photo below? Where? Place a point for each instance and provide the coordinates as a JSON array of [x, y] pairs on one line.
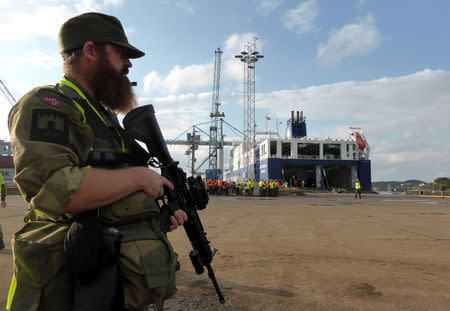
[[317, 252]]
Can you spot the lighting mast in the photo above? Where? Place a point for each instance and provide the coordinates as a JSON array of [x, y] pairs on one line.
[[249, 56]]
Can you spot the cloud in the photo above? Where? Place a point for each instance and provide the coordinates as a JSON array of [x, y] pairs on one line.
[[185, 5], [129, 30], [177, 113], [39, 59], [232, 68], [19, 21], [420, 92], [193, 76], [301, 19], [96, 5], [265, 7], [392, 161], [361, 3], [32, 20], [201, 75], [352, 39]]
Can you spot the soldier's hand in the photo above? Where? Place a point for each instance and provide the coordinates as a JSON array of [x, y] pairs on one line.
[[153, 183], [178, 219], [3, 204]]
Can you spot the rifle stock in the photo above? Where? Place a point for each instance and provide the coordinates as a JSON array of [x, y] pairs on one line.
[[189, 193]]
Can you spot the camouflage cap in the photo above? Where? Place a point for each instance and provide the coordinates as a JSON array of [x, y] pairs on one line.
[[95, 27]]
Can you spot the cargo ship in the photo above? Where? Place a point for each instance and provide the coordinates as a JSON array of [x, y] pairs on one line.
[[324, 163]]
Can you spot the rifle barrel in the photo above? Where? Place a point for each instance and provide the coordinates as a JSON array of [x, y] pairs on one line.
[[216, 285]]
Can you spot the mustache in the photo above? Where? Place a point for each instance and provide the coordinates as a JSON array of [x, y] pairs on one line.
[[124, 70]]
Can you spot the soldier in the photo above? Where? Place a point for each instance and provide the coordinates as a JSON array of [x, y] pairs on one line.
[[72, 159], [3, 203]]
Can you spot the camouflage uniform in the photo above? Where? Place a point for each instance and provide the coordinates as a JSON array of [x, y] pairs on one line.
[[56, 134]]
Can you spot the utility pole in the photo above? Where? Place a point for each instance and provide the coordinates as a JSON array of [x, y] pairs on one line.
[[214, 143], [249, 56]]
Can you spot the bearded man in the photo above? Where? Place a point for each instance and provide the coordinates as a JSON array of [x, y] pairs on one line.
[[72, 159]]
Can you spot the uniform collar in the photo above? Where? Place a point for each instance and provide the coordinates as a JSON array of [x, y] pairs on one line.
[[92, 100]]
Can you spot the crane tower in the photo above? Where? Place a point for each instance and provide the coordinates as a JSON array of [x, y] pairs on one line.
[[249, 56], [7, 94], [215, 146]]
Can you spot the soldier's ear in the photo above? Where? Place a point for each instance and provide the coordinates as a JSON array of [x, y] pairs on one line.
[[90, 50]]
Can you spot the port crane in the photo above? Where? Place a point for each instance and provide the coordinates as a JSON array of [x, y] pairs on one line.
[[7, 94], [215, 141], [5, 146]]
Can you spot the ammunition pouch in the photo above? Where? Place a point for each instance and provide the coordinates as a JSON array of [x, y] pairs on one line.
[[38, 257], [148, 253], [145, 250], [134, 208]]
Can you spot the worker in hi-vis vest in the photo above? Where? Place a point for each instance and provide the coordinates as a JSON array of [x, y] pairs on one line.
[[358, 189], [262, 188]]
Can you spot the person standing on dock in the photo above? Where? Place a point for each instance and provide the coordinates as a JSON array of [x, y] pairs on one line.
[[262, 188], [3, 194], [358, 189]]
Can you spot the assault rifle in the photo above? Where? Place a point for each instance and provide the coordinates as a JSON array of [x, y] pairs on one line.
[[189, 194]]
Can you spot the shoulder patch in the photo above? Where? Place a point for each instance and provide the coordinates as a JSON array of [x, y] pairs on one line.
[[49, 125]]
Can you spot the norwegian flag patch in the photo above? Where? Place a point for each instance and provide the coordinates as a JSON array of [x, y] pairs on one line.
[[51, 101]]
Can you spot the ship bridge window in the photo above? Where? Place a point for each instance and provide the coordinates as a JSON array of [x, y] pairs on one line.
[[273, 148], [331, 151], [286, 150], [308, 151]]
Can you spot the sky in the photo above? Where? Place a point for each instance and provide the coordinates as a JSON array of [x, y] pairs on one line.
[[378, 65]]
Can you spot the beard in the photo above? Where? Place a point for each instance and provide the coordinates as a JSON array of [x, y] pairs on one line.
[[112, 88]]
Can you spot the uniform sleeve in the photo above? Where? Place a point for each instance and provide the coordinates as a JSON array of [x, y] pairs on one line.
[[50, 142]]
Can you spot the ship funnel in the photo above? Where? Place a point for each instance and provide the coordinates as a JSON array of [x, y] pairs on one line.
[[296, 127]]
